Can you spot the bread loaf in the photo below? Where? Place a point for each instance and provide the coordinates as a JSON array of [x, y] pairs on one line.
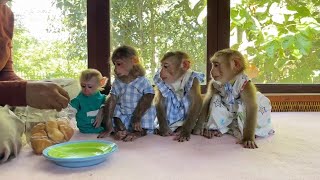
[[49, 133]]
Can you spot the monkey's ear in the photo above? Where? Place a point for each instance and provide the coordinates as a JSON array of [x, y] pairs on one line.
[[185, 64], [135, 60], [236, 63], [103, 81]]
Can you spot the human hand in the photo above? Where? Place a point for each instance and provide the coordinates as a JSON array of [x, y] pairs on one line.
[[46, 95]]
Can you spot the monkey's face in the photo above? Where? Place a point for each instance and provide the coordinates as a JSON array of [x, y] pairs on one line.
[[170, 71], [221, 71], [90, 86], [122, 67]]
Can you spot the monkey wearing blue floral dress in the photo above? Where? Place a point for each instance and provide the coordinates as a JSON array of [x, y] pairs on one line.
[[128, 111], [178, 98], [232, 103]]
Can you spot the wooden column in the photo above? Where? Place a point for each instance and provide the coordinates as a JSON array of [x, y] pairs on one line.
[[98, 29]]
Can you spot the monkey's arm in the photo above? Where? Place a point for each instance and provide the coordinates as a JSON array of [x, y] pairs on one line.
[[193, 112], [203, 118], [164, 129], [143, 105], [108, 110], [248, 97]]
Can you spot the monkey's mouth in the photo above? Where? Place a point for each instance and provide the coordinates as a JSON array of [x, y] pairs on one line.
[[86, 94], [119, 74], [216, 77]]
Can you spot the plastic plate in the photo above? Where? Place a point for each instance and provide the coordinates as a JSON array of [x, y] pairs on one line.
[[80, 153]]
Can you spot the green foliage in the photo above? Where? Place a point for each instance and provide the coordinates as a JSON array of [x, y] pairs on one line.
[[46, 59], [283, 44], [158, 26], [280, 37]]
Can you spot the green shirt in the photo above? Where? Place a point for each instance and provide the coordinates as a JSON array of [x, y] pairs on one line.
[[87, 110]]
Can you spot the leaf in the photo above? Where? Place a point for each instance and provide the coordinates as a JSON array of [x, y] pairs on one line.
[[303, 44], [303, 11], [271, 48], [287, 41]]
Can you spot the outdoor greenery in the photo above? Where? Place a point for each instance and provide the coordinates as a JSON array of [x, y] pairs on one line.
[[280, 38]]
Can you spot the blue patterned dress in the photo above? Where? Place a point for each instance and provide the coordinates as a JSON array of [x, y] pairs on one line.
[[128, 96], [177, 101]]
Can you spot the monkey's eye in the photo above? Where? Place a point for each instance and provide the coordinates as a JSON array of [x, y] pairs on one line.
[[216, 64], [165, 66], [118, 64], [84, 86]]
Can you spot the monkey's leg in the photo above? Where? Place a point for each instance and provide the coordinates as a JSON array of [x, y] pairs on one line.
[[108, 111], [203, 118], [193, 112], [164, 129], [205, 110]]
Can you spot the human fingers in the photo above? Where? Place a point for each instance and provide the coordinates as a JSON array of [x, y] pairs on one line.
[[54, 104], [62, 100], [64, 93]]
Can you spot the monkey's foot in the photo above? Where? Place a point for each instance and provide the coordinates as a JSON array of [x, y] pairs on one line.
[[166, 132], [197, 131], [182, 136], [135, 135], [211, 133], [120, 135]]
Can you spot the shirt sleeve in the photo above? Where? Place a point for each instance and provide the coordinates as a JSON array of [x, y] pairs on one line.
[[13, 93], [75, 103], [115, 88], [147, 88]]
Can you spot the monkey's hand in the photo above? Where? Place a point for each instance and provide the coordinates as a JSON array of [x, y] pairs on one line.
[[165, 132], [197, 130], [98, 120], [105, 133], [182, 136], [250, 144], [136, 124], [121, 135]]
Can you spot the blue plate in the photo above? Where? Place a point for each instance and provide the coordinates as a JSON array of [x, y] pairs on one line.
[[80, 153]]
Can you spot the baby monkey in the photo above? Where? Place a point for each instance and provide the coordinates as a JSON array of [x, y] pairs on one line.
[[178, 98], [232, 103], [128, 111], [89, 101]]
